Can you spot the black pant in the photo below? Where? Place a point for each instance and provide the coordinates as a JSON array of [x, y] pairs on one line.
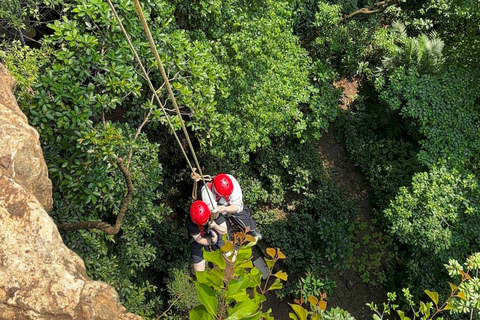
[[243, 219]]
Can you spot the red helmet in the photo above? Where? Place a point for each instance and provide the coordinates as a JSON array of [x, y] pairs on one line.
[[199, 212], [223, 185]]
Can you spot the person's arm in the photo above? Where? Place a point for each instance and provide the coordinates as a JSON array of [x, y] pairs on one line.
[[231, 209], [220, 228], [205, 241]]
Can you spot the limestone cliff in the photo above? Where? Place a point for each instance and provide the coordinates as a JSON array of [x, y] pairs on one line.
[[40, 278]]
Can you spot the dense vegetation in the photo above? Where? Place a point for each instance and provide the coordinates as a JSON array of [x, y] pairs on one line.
[[255, 84]]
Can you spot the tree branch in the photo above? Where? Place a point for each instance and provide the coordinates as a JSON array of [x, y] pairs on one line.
[[100, 225], [373, 9]]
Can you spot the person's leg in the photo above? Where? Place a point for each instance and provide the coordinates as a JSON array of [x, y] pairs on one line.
[[244, 221], [197, 255]]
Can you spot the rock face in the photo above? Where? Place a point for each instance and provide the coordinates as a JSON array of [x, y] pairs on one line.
[[21, 157], [40, 278]]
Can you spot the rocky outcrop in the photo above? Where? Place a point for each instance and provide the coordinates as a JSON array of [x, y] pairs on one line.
[[40, 278], [21, 157]]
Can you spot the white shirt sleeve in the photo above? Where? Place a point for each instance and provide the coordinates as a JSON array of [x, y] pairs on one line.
[[206, 198], [236, 197]]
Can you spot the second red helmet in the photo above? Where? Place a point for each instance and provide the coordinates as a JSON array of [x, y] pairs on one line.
[[223, 185], [199, 212]]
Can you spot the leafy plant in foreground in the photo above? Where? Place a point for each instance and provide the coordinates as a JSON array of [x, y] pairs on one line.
[[233, 288], [463, 298]]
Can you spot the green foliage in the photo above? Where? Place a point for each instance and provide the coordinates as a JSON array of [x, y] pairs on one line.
[[386, 161], [23, 63], [423, 52], [17, 14], [456, 22], [317, 310], [181, 290], [255, 44], [439, 103], [337, 314], [312, 285], [462, 300], [436, 220], [373, 250], [341, 44], [222, 290], [315, 234]]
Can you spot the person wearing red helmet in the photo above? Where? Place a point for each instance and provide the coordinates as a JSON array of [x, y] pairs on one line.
[[207, 235], [226, 198]]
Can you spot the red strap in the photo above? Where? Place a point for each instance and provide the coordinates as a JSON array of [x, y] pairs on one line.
[[217, 197], [202, 230]]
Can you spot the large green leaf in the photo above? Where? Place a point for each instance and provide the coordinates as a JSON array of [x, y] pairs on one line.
[[216, 257], [242, 310], [238, 296], [243, 254], [200, 313], [210, 279], [255, 316], [237, 285], [207, 297]]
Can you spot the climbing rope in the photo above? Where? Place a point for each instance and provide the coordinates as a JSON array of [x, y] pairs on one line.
[[153, 47]]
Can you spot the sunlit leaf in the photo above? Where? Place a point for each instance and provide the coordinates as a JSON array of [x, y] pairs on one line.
[[255, 316], [299, 311], [281, 275], [256, 276], [461, 295], [246, 264], [280, 254], [209, 279], [237, 284], [402, 315], [292, 316], [242, 309], [424, 309], [266, 315], [433, 296], [227, 247], [313, 300], [449, 306], [207, 297], [249, 238], [276, 285], [322, 305], [200, 313], [271, 252], [453, 287], [216, 257], [269, 263]]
